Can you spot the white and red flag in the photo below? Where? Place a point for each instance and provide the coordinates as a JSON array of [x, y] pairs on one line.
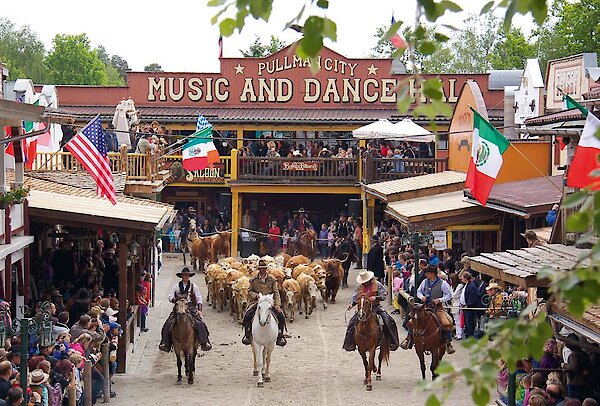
[[398, 39]]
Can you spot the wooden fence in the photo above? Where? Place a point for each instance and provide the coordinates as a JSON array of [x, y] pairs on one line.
[[283, 170]]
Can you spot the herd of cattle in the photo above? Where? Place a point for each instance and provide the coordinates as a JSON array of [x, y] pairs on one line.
[[299, 280]]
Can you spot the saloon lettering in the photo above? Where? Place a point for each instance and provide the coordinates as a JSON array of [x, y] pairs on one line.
[[209, 175], [282, 90]]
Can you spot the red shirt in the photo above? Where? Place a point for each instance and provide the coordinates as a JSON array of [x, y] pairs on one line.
[[276, 231]]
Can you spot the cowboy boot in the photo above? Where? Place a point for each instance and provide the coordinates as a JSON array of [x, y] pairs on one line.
[[407, 343], [281, 341], [206, 347], [449, 348], [247, 340]]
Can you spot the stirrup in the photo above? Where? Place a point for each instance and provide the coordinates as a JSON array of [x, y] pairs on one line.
[[281, 341], [246, 340], [406, 344], [164, 347], [449, 348]]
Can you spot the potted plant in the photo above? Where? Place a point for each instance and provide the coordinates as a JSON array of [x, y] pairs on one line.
[[19, 195]]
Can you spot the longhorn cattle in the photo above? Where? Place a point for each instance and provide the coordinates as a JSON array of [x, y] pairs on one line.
[[219, 285], [241, 296], [293, 262], [333, 278]]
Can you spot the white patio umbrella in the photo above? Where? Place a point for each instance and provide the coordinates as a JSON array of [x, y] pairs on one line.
[[408, 130], [381, 129]]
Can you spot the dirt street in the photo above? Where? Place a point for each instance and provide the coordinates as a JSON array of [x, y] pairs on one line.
[[312, 369]]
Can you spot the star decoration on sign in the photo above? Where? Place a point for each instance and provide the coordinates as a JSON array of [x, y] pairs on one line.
[[372, 70], [239, 69]]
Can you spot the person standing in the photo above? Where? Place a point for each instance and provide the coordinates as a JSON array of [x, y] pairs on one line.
[[456, 295], [358, 242], [274, 238], [110, 139], [375, 262], [323, 241], [471, 301]]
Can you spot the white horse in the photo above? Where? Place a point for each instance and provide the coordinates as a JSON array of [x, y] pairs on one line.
[[264, 335]]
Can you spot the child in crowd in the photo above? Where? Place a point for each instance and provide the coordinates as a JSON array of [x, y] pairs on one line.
[[140, 300], [284, 239], [397, 284]]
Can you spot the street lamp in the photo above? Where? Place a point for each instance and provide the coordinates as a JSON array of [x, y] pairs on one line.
[[25, 327]]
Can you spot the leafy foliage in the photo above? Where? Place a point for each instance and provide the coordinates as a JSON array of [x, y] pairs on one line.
[[22, 52], [153, 67], [260, 50], [116, 67], [73, 62]]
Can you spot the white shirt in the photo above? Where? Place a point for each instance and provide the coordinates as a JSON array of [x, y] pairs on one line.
[[193, 288]]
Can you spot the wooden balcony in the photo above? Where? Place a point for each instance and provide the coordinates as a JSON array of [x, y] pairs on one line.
[[341, 171], [382, 169]]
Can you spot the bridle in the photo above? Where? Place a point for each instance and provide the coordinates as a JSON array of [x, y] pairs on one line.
[[268, 316], [419, 333], [364, 315]]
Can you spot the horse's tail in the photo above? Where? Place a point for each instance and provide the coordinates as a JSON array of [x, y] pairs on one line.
[[385, 351]]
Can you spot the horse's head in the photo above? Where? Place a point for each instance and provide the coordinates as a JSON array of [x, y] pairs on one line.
[[365, 307], [181, 304], [263, 308]]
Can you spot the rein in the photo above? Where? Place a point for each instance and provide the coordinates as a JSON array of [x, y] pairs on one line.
[[420, 335]]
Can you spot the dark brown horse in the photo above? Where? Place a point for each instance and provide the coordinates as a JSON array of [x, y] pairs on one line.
[[369, 336], [185, 342], [305, 245], [427, 336]]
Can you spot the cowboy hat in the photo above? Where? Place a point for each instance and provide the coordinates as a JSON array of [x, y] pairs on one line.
[[38, 377], [432, 269], [296, 153], [529, 235], [364, 277], [111, 312], [185, 271], [262, 264], [493, 285]]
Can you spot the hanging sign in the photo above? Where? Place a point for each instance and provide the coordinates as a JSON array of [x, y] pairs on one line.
[[312, 166], [439, 240]]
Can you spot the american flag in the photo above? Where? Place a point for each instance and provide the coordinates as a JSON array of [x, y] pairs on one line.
[[89, 148], [202, 123]]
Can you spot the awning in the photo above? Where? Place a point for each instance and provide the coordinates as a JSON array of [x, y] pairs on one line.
[[417, 186], [520, 267], [440, 210], [524, 197], [410, 131], [56, 203], [588, 325], [17, 243]]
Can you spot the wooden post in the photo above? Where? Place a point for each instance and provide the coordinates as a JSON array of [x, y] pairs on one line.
[[122, 349], [87, 383], [106, 372], [234, 164], [236, 203], [72, 395], [148, 165], [240, 139]]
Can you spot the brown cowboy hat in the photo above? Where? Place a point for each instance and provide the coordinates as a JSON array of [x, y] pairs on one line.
[[185, 271], [262, 264], [432, 269]]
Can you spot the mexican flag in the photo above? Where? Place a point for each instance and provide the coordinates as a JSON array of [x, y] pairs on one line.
[[569, 103], [586, 157], [200, 151], [486, 158]]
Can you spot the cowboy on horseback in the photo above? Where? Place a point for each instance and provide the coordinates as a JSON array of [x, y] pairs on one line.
[[190, 290], [265, 284], [376, 292], [434, 292]]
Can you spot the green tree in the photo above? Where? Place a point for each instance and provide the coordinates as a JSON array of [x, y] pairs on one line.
[[259, 50], [511, 50], [22, 52], [573, 28], [73, 62], [153, 67], [116, 67]]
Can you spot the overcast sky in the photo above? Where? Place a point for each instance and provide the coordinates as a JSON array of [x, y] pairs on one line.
[[178, 34]]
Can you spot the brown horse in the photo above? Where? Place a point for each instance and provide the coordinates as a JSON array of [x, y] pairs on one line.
[[304, 245], [185, 342], [369, 336], [427, 336]]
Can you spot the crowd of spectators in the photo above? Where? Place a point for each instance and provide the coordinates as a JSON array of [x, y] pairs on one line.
[[79, 291]]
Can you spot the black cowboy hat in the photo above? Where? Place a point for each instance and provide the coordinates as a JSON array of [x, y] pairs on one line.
[[432, 269], [185, 271]]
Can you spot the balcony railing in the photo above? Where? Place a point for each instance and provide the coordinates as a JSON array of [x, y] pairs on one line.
[[346, 171], [298, 170], [382, 169], [135, 166]]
